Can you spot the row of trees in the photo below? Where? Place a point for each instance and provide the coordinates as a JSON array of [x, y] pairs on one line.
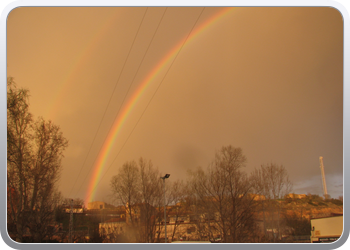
[[223, 189], [138, 186], [34, 152], [238, 198]]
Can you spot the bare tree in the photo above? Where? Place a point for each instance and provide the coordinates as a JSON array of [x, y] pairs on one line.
[[35, 150], [238, 204], [177, 193], [126, 189], [272, 181], [138, 188], [225, 188], [18, 151], [150, 185]]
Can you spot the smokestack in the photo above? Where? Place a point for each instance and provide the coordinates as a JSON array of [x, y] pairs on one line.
[[326, 196]]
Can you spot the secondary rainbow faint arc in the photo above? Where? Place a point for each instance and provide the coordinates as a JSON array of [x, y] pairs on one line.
[[118, 123], [83, 55]]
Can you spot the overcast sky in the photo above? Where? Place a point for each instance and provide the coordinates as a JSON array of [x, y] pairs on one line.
[[268, 80]]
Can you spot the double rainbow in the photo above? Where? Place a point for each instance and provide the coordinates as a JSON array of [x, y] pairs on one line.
[[120, 120]]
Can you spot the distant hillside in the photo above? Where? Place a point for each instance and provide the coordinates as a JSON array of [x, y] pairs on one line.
[[312, 206]]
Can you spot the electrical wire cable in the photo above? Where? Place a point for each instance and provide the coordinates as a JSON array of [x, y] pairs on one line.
[[139, 66], [166, 73], [109, 102]]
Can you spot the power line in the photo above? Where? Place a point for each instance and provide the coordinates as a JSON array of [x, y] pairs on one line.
[[139, 66], [109, 101], [166, 73]]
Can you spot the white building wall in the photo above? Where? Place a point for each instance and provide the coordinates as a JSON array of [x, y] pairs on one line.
[[326, 227]]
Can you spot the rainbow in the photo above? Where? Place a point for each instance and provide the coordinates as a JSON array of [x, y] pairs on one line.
[[120, 120], [83, 55]]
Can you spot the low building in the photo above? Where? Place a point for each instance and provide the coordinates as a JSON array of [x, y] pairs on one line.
[[96, 205], [123, 220], [187, 226], [326, 229], [77, 209], [113, 226]]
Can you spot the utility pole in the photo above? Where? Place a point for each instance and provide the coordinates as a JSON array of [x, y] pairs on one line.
[[164, 177], [71, 222]]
